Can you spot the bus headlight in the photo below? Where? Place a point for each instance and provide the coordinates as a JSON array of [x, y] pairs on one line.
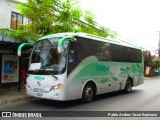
[[57, 87], [27, 85]]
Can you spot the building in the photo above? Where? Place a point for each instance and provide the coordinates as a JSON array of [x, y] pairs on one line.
[[159, 48], [10, 17], [10, 63]]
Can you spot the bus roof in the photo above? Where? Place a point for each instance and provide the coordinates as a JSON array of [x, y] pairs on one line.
[[93, 37]]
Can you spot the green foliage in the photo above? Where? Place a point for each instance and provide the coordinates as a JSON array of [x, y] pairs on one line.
[[68, 17], [19, 35], [90, 18], [51, 16], [54, 16], [42, 13], [155, 64]]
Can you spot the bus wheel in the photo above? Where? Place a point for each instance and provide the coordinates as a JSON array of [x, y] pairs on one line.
[[128, 87], [88, 93]]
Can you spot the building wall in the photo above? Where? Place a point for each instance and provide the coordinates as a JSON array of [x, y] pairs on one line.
[[8, 47], [6, 8]]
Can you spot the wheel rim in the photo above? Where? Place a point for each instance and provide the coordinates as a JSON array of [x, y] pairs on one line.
[[88, 93]]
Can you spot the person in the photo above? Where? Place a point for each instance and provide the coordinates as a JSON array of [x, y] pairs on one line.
[[23, 77]]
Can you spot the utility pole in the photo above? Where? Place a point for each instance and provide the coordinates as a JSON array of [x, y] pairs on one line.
[[159, 45]]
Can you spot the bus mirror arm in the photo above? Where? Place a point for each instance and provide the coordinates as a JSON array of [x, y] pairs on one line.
[[19, 52], [62, 44]]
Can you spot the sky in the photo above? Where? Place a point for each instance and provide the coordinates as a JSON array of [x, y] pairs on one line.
[[137, 20]]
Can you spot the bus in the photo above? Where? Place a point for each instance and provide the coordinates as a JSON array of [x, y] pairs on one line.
[[68, 66]]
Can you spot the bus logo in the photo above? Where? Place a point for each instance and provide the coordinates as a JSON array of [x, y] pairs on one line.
[[38, 83], [102, 68], [39, 78]]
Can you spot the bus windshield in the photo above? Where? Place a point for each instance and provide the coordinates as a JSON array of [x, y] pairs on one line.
[[45, 56]]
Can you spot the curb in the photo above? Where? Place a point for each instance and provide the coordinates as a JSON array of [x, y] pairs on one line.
[[148, 78]]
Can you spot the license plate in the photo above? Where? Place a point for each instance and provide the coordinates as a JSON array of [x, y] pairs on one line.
[[39, 94]]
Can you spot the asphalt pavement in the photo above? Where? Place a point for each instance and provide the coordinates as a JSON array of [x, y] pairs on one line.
[[12, 96]]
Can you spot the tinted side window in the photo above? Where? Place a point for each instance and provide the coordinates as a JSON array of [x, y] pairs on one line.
[[107, 51], [125, 54], [88, 47]]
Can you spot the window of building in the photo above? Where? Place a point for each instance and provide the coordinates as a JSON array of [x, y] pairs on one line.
[[16, 19]]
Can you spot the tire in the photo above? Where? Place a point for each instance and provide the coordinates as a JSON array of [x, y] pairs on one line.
[[88, 93], [128, 87]]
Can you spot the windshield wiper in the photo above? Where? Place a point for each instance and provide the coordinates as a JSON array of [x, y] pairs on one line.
[[52, 75]]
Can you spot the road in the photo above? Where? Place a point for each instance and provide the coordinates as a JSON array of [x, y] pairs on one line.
[[145, 97]]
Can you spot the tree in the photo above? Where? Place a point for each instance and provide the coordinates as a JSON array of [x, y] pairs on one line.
[[42, 14], [155, 64], [54, 16], [90, 17], [147, 58], [68, 16]]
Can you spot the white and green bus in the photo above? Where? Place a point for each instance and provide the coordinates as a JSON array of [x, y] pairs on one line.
[[67, 66]]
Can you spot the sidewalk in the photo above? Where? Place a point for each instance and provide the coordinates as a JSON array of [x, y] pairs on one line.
[[147, 78], [10, 96]]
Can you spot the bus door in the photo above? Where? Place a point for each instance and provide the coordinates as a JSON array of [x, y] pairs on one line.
[[72, 57]]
